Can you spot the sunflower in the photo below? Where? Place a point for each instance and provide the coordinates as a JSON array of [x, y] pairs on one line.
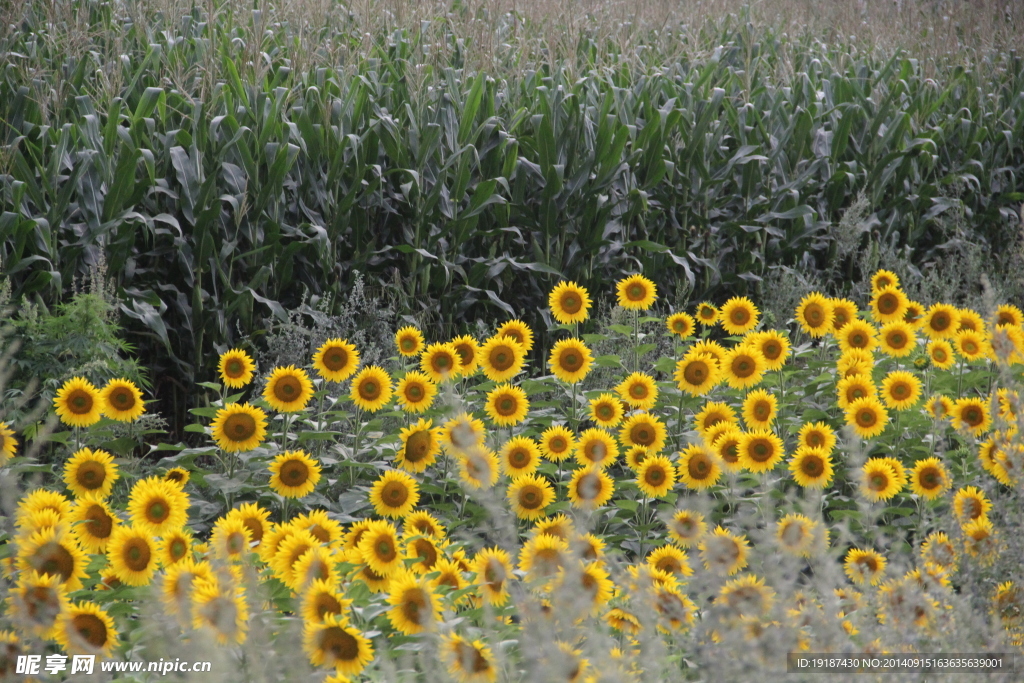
[[972, 345], [379, 548], [639, 391], [39, 601], [707, 314], [409, 341], [121, 400], [415, 392], [670, 559], [884, 278], [929, 478], [92, 523], [321, 599], [898, 470], [864, 566], [941, 321], [855, 362], [970, 503], [759, 408], [8, 443], [773, 345], [643, 429], [239, 427], [178, 476], [843, 312], [636, 293], [635, 456], [940, 352], [697, 374], [557, 443], [78, 403], [542, 556], [468, 351], [90, 472], [622, 621], [939, 406], [236, 368], [811, 467], [51, 551], [423, 523], [897, 339], [698, 467], [879, 481], [1008, 314], [857, 334], [971, 320], [336, 360], [85, 629], [686, 527], [795, 534], [888, 304], [479, 469], [324, 529], [570, 360], [656, 476], [288, 389], [972, 415], [901, 390], [595, 447], [590, 488], [132, 554], [724, 552], [309, 564], [681, 324], [414, 605], [507, 405], [334, 642], [606, 411], [814, 313], [440, 362], [493, 570], [520, 455], [371, 388], [726, 444], [569, 303], [743, 367], [714, 413], [394, 494], [502, 358], [157, 506], [462, 433], [420, 446], [817, 435], [528, 495], [588, 584], [469, 661], [760, 451], [176, 546], [745, 597], [293, 474], [254, 518], [854, 388], [42, 499], [867, 417], [424, 551], [980, 540]]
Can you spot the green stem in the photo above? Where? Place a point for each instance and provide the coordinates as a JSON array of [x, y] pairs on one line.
[[679, 421], [636, 340], [960, 381], [284, 510], [355, 445]]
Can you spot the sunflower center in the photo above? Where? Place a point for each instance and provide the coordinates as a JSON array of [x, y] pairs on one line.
[[970, 347], [571, 360], [287, 388], [158, 511], [408, 344], [234, 368], [91, 475], [98, 522], [369, 389], [973, 416], [858, 340], [793, 534], [638, 391], [123, 398], [336, 359], [255, 528], [519, 458], [743, 367], [941, 322], [424, 550], [900, 391], [530, 497], [878, 482], [897, 340], [417, 446], [571, 303], [471, 659], [696, 372], [240, 427], [739, 316], [385, 549], [557, 444], [762, 410], [325, 604], [815, 440], [930, 478], [815, 315], [179, 547], [605, 412], [888, 303], [699, 467], [812, 466], [54, 559], [494, 574], [973, 508], [442, 363], [465, 354], [395, 494], [636, 292], [414, 606], [680, 326], [589, 486], [642, 434], [595, 451], [761, 451], [79, 402], [294, 473], [730, 451], [414, 392], [339, 643], [137, 555], [655, 476], [867, 418], [502, 358], [42, 604], [506, 406]]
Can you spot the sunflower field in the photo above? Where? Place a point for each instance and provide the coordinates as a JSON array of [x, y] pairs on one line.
[[667, 495]]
